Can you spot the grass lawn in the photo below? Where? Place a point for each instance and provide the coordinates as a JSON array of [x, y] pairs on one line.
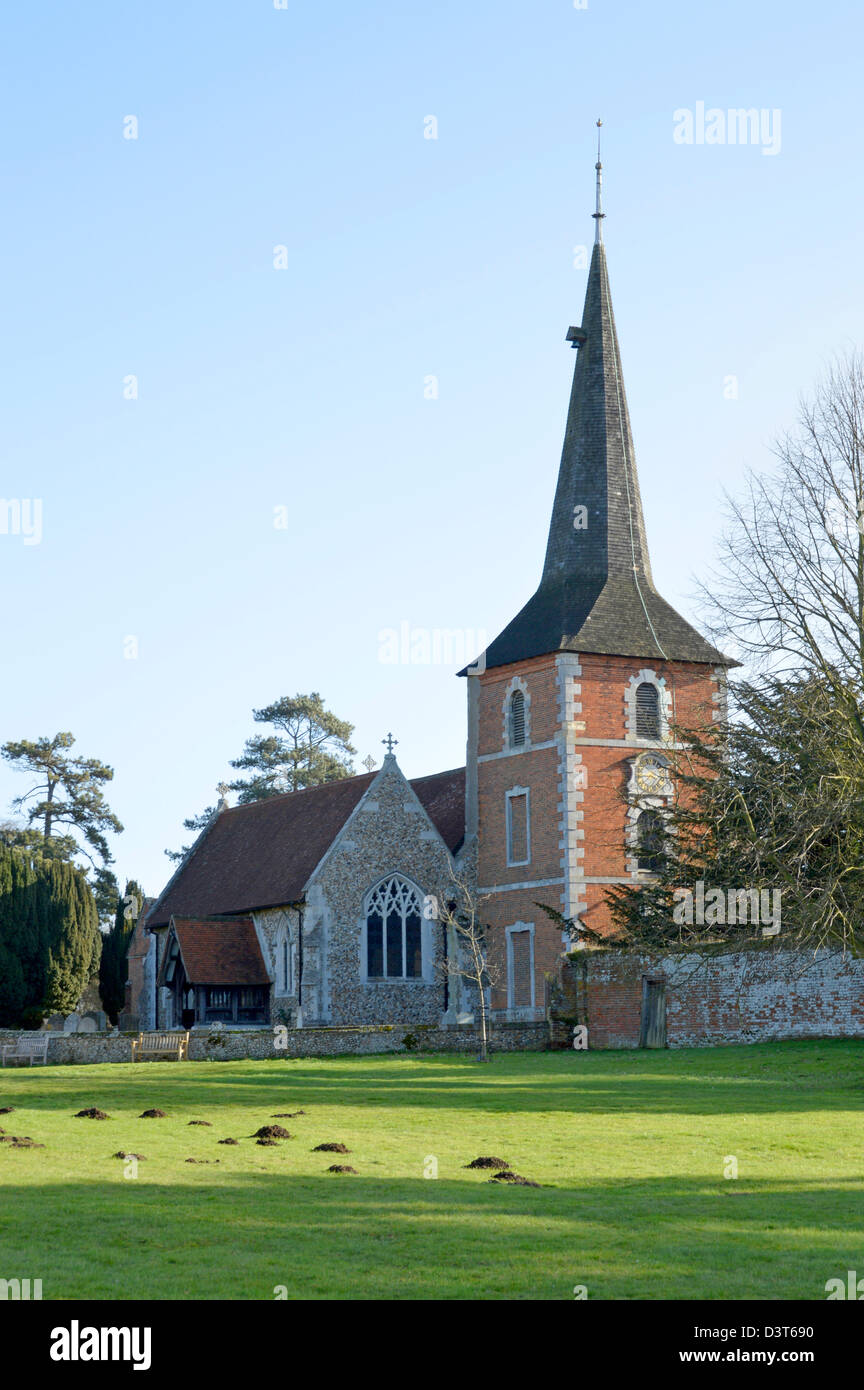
[[629, 1148]]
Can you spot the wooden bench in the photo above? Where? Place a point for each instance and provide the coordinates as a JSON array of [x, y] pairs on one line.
[[30, 1047], [174, 1045]]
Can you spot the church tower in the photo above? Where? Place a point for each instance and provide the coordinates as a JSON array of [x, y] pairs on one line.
[[572, 703]]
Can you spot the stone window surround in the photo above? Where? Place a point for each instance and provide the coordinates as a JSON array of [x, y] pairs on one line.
[[664, 701], [512, 930], [638, 804], [426, 976], [284, 949], [508, 798], [517, 683]]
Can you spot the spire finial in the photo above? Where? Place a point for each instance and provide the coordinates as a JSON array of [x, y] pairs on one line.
[[391, 744], [599, 214]]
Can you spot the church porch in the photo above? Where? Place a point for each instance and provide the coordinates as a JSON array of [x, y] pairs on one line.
[[212, 971]]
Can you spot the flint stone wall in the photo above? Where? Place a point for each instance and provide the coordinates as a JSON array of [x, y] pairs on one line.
[[258, 1044]]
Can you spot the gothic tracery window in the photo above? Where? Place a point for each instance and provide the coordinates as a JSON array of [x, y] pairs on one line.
[[393, 931]]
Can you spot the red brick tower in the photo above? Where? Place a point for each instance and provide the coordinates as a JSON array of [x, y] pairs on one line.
[[572, 702]]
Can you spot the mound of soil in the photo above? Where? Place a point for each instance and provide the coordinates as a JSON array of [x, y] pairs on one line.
[[267, 1143], [121, 1153], [331, 1149], [487, 1162], [21, 1141], [341, 1168], [288, 1114], [201, 1160], [201, 1122], [271, 1132], [6, 1109], [228, 1141], [152, 1115], [514, 1177], [92, 1113]]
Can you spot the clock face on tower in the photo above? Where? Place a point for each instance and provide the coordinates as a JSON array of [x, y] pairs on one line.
[[652, 774]]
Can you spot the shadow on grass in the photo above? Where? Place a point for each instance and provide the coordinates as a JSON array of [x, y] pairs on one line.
[[784, 1076], [358, 1237]]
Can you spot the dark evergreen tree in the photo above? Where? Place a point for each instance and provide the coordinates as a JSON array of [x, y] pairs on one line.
[[773, 802], [49, 935], [113, 969], [106, 891]]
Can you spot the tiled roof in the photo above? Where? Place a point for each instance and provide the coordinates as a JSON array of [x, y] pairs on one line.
[[221, 952], [262, 855], [596, 593]]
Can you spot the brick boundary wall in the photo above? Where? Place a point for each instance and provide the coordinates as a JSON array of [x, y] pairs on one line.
[[77, 1049], [748, 996]]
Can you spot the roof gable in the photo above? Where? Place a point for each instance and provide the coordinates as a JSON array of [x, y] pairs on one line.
[[263, 854], [223, 951]]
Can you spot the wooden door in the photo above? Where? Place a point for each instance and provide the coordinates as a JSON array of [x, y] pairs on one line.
[[653, 1032]]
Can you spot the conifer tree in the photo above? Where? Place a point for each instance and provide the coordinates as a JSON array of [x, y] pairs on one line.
[[113, 969], [66, 792], [49, 935], [310, 746]]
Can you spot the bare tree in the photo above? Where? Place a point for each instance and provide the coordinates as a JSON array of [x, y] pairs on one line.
[[468, 961], [789, 590], [774, 799]]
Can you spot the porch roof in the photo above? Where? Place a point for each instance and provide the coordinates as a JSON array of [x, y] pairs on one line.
[[219, 951]]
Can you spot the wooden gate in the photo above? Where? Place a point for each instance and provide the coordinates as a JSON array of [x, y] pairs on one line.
[[653, 1031]]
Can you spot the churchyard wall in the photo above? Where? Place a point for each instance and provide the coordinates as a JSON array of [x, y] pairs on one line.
[[745, 996], [233, 1045]]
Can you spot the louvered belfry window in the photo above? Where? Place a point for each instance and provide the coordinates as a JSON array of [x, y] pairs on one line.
[[517, 719], [647, 711]]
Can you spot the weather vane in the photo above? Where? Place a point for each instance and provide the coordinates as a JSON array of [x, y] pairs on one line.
[[391, 742], [598, 213]]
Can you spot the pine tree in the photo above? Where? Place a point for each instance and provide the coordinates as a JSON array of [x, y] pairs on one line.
[[310, 746], [68, 792]]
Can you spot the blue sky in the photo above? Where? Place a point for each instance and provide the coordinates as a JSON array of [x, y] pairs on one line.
[[306, 387]]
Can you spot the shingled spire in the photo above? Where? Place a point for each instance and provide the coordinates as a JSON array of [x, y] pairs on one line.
[[596, 593]]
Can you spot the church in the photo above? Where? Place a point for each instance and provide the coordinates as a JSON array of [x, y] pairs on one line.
[[313, 908]]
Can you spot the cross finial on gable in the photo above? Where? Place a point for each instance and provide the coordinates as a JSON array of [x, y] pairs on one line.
[[391, 743], [369, 762], [223, 790]]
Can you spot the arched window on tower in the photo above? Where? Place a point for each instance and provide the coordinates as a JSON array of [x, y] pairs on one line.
[[650, 841], [647, 711], [393, 937], [517, 719]]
